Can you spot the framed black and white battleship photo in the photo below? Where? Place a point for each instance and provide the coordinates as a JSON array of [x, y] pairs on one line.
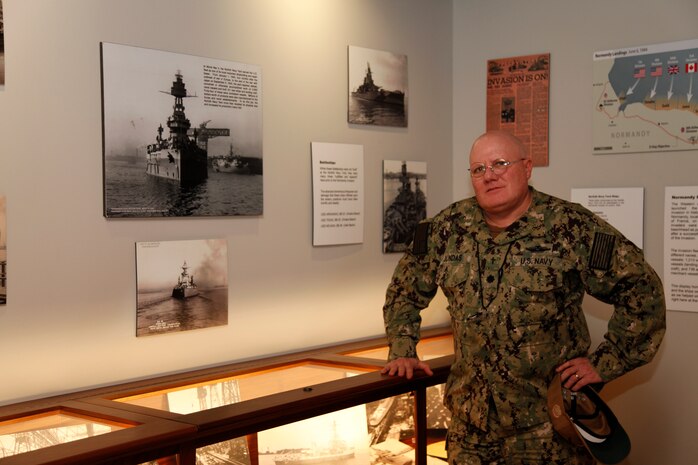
[[404, 202], [181, 285], [182, 135], [3, 251], [2, 48], [377, 87]]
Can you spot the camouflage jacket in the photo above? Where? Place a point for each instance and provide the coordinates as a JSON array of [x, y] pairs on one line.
[[515, 303]]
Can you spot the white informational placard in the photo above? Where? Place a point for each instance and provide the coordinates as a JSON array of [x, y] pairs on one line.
[[681, 248], [338, 193], [622, 207]]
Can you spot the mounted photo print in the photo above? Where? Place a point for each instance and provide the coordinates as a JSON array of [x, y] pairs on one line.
[[377, 87], [181, 285], [404, 202], [3, 252], [336, 438], [2, 48], [182, 135]]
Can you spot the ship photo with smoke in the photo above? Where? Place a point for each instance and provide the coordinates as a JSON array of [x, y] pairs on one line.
[[181, 285]]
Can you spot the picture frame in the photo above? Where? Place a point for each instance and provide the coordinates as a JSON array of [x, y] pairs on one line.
[[182, 135]]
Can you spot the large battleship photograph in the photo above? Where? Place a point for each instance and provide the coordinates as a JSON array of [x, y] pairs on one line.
[[181, 285], [182, 135], [404, 202], [377, 87]]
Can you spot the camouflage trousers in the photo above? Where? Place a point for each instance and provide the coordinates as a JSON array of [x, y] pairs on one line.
[[539, 445]]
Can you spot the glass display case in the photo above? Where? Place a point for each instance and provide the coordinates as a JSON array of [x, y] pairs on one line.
[[329, 405], [427, 349], [69, 431], [205, 395], [45, 429]]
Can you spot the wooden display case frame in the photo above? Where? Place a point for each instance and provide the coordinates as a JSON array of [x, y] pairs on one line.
[[159, 433]]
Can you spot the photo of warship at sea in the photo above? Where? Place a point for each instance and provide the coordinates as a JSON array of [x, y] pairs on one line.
[[165, 158], [181, 285], [404, 202], [377, 87]]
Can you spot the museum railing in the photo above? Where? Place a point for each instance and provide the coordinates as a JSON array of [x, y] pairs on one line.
[[217, 412]]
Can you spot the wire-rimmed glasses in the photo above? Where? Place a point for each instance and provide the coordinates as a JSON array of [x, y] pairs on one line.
[[498, 167]]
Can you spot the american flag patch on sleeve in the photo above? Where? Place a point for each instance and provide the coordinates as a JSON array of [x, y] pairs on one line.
[[421, 235], [602, 251]]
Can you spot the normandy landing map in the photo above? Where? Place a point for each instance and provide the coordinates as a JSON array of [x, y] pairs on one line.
[[646, 98]]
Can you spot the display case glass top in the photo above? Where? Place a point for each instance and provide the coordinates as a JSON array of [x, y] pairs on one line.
[[427, 348], [45, 429], [222, 391]]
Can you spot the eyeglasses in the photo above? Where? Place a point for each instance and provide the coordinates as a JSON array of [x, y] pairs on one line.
[[478, 170]]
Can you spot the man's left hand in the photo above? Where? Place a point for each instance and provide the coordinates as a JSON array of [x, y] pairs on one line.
[[577, 373]]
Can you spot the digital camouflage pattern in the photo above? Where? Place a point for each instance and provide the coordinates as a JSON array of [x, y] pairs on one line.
[[516, 304], [538, 445]]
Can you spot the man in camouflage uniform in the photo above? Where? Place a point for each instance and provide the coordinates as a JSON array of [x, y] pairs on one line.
[[514, 264]]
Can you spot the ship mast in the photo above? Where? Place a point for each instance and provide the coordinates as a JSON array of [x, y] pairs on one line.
[[368, 79], [178, 122], [184, 278]]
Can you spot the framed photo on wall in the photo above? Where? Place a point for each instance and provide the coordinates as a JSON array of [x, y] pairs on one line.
[[3, 251], [377, 87], [518, 95], [182, 135], [404, 202], [2, 48], [181, 285]]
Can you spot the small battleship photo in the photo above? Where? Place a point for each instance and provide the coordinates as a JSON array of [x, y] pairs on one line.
[[405, 202], [377, 87], [181, 285]]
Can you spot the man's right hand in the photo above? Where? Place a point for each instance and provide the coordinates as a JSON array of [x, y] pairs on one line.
[[405, 367]]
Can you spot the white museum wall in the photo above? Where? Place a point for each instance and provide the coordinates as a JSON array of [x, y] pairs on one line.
[[70, 319], [655, 403]]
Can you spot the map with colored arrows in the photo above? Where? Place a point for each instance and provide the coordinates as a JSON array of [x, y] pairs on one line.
[[646, 98]]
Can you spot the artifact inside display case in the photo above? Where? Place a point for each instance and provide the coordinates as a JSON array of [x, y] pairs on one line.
[[334, 438], [377, 433], [427, 348], [33, 432], [438, 416], [225, 391], [233, 451]]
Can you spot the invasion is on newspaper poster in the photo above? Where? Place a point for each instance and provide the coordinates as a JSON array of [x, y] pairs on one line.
[[517, 101]]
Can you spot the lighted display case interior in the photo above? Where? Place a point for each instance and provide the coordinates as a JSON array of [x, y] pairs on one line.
[[438, 417], [426, 349], [196, 397], [377, 433], [36, 431]]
